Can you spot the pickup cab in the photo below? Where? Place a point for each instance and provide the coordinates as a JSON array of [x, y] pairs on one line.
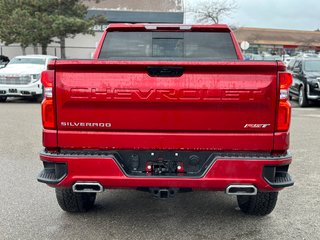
[[166, 109]]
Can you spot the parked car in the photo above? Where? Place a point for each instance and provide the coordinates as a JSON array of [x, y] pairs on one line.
[[307, 55], [306, 80], [252, 57], [21, 77], [165, 109], [272, 58]]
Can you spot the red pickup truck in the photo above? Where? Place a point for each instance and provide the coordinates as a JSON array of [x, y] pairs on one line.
[[166, 109]]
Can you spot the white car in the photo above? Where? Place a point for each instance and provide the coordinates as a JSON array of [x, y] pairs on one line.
[[21, 77]]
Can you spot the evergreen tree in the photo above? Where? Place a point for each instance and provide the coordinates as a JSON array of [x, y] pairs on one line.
[[33, 22]]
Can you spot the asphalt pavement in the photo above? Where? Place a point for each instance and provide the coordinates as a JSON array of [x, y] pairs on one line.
[[28, 209]]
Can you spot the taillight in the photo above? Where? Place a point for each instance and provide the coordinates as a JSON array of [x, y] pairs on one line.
[[48, 111], [284, 108]]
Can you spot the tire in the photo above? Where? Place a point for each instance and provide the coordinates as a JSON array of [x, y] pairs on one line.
[[70, 201], [3, 99], [260, 205], [303, 100], [38, 98]]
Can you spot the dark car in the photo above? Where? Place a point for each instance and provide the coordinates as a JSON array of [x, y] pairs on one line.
[[4, 60], [306, 80]]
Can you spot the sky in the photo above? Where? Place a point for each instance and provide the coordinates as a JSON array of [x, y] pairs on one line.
[[280, 14]]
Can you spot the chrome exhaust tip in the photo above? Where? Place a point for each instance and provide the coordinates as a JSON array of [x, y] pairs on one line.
[[241, 190], [87, 187]]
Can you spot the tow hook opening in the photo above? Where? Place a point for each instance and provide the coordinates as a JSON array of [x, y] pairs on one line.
[[163, 193]]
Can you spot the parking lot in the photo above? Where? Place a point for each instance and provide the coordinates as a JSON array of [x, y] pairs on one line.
[[29, 209]]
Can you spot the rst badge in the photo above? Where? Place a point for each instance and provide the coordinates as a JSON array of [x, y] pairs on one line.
[[255, 125]]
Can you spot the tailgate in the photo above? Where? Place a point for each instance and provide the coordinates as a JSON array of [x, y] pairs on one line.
[[165, 97]]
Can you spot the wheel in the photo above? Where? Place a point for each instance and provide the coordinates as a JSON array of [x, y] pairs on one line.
[[260, 205], [70, 201], [3, 99], [303, 100]]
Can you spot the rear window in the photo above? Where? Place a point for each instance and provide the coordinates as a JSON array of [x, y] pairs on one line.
[[168, 46]]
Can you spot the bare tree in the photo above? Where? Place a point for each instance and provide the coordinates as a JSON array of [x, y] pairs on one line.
[[212, 11]]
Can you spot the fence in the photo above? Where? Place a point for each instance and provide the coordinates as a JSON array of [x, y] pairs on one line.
[[78, 52]]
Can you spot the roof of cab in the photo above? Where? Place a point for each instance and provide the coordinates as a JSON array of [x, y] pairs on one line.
[[146, 26]]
